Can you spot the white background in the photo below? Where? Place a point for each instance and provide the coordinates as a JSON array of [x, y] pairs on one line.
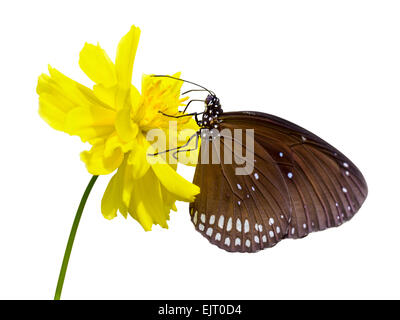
[[331, 66]]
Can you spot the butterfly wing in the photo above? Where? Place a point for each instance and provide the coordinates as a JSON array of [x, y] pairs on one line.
[[240, 213], [316, 186]]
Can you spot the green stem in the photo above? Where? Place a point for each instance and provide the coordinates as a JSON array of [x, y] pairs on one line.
[[71, 238]]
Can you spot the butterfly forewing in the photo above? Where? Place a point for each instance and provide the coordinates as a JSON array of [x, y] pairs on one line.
[[325, 187], [300, 184]]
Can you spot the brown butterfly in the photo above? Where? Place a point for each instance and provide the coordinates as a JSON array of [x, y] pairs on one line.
[[300, 183]]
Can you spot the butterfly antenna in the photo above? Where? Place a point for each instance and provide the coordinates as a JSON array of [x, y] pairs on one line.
[[192, 90], [178, 79]]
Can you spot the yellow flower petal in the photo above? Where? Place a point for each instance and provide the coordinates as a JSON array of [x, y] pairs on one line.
[[54, 101], [90, 122], [77, 94], [125, 58], [117, 194], [136, 103], [97, 163], [95, 62], [111, 201], [68, 106], [146, 199], [128, 183], [168, 197], [125, 127], [106, 95], [174, 183], [169, 200], [138, 158], [51, 112], [113, 142], [147, 205]]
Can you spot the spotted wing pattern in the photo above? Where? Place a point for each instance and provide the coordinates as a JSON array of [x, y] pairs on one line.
[[300, 184], [241, 213]]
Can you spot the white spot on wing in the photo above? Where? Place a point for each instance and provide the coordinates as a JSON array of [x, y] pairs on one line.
[[218, 237], [227, 241], [246, 226], [256, 176], [238, 225], [195, 217], [248, 243], [201, 227], [221, 221], [344, 190], [237, 242], [203, 218], [271, 221], [229, 225], [290, 175], [271, 234], [212, 219], [256, 239], [239, 186], [264, 238], [209, 232]]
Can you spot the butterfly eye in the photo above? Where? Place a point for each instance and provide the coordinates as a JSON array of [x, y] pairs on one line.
[[209, 100]]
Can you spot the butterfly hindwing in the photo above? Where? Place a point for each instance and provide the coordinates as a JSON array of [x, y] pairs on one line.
[[239, 212]]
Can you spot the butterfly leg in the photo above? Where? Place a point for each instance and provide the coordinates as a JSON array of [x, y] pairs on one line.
[[177, 148], [197, 134], [198, 100], [182, 115], [195, 114]]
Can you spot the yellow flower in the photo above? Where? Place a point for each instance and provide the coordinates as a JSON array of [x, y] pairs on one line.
[[115, 119]]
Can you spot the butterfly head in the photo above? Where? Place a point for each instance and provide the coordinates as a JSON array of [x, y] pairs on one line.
[[212, 111]]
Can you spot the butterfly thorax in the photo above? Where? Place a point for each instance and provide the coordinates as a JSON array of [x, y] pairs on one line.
[[212, 111]]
